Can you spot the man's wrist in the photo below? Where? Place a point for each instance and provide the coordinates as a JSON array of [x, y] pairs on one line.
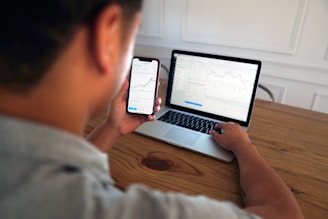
[[244, 150]]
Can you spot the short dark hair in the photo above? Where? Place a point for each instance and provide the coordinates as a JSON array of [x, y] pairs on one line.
[[33, 32]]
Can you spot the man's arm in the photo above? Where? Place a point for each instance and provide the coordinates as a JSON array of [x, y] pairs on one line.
[[264, 192]]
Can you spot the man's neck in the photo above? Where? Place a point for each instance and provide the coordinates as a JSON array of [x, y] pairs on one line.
[[46, 109]]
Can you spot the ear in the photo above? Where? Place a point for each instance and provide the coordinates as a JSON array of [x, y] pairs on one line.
[[106, 42]]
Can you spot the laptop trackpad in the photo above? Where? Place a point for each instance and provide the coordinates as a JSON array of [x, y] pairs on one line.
[[182, 137]]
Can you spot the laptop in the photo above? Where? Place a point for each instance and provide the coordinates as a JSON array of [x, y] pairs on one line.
[[204, 89]]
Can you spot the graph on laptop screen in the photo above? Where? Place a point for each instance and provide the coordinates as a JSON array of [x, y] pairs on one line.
[[215, 86]]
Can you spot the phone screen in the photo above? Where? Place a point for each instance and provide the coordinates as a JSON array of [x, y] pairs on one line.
[[143, 85]]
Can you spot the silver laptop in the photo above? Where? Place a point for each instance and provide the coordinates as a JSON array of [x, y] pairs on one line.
[[204, 89]]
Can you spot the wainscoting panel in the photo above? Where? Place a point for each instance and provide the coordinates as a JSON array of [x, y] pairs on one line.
[[248, 24], [152, 19], [320, 102]]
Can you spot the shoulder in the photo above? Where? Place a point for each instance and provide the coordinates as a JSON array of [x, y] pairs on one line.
[[142, 202]]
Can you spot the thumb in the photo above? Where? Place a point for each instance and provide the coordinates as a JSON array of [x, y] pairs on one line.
[[124, 89]]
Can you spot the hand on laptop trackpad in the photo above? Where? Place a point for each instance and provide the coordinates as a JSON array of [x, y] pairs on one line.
[[176, 135]]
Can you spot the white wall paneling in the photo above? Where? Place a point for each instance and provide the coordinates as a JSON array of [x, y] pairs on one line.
[[152, 19], [320, 102], [252, 24], [289, 37]]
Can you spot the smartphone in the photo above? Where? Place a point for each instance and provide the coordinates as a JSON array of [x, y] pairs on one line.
[[144, 75]]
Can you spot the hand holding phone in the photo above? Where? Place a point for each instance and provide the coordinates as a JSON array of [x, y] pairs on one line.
[[144, 75]]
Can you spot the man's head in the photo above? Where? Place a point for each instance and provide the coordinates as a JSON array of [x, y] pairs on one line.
[[33, 34], [62, 61]]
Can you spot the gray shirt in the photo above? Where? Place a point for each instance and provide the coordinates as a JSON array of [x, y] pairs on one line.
[[49, 173]]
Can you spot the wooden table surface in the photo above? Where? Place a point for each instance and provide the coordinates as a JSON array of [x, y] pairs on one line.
[[294, 142]]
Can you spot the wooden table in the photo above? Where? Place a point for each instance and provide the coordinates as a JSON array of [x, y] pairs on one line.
[[294, 142]]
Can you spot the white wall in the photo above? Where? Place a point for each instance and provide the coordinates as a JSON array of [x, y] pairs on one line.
[[289, 37]]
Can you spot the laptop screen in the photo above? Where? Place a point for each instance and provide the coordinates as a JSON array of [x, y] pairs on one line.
[[220, 87]]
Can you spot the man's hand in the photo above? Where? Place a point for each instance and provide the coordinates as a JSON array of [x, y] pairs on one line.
[[123, 122], [233, 138], [118, 122]]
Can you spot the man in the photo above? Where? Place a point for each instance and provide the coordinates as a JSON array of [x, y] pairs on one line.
[[61, 62]]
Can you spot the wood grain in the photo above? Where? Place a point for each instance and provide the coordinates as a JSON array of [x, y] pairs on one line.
[[294, 142]]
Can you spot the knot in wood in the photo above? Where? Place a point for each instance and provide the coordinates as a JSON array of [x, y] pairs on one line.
[[158, 164]]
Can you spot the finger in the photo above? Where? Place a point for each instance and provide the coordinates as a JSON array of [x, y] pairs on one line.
[[215, 135], [143, 118], [219, 125], [157, 109], [158, 101], [151, 118], [124, 89], [125, 86], [219, 130]]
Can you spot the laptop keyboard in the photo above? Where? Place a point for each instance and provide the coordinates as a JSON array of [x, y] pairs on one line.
[[188, 121]]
